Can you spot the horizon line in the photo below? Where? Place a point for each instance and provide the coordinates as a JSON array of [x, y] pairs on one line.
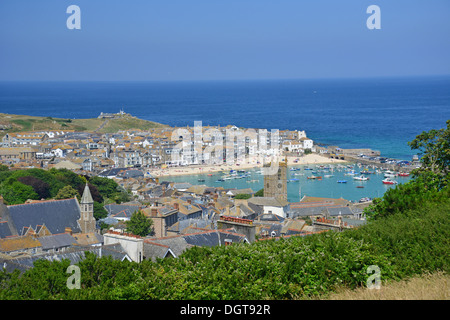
[[243, 80]]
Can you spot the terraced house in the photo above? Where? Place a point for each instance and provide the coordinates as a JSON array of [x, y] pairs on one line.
[[24, 139]]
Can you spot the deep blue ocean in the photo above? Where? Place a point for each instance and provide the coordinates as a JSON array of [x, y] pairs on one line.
[[382, 114]]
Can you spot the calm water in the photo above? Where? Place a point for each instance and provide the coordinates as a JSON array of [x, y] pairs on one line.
[[327, 187], [382, 114]]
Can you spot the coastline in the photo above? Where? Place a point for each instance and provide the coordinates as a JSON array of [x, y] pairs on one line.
[[250, 163]]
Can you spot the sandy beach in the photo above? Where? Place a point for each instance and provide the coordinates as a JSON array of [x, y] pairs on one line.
[[250, 163]]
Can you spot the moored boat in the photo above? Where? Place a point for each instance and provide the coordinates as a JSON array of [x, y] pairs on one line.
[[389, 181]]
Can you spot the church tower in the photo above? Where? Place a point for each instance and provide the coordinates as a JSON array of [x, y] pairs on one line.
[[87, 220], [275, 185]]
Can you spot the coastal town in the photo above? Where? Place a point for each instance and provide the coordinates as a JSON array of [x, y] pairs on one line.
[[183, 215]]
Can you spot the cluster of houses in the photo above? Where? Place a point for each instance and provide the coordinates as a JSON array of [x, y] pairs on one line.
[[94, 152], [183, 215]]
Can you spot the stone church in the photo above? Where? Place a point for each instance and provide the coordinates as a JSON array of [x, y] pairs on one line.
[[48, 217]]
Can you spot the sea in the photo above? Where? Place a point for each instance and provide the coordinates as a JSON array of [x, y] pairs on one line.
[[378, 113]]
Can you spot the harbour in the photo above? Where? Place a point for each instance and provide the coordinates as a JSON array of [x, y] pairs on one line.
[[351, 181]]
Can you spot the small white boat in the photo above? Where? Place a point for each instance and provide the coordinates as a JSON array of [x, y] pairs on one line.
[[361, 178], [390, 174]]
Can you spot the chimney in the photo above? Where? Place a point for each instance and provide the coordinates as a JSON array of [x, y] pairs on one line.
[[154, 212], [176, 206], [189, 201], [68, 230], [238, 209]]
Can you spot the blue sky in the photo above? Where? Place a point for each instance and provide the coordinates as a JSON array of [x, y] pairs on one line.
[[222, 39]]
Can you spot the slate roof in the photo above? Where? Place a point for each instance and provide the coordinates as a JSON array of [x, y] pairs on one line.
[[87, 197], [213, 238], [153, 250], [4, 230], [307, 211], [9, 266], [74, 255], [344, 211], [182, 185], [111, 172], [57, 241], [268, 201], [55, 214], [121, 210], [132, 173], [177, 244]]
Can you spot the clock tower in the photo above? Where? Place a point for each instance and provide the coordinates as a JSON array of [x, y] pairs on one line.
[[275, 185]]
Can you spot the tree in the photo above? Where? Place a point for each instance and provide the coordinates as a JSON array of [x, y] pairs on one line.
[[17, 193], [96, 196], [260, 193], [67, 192], [44, 175], [99, 211], [434, 147], [430, 181], [107, 187], [139, 224], [67, 177], [40, 187]]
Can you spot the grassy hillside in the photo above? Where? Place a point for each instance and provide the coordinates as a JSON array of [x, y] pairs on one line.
[[433, 286], [17, 123]]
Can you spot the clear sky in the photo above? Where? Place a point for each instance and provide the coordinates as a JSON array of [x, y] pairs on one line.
[[222, 39]]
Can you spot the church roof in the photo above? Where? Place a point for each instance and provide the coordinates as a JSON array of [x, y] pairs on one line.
[[55, 214], [87, 197]]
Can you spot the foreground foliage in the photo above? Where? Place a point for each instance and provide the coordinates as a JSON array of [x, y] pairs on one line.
[[17, 186], [402, 245]]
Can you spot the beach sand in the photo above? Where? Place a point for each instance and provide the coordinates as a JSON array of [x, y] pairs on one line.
[[249, 163]]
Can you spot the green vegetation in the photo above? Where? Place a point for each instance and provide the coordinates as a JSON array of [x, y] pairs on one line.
[[259, 193], [139, 224], [402, 245], [243, 196], [430, 183], [408, 235], [30, 123], [18, 186], [67, 192]]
